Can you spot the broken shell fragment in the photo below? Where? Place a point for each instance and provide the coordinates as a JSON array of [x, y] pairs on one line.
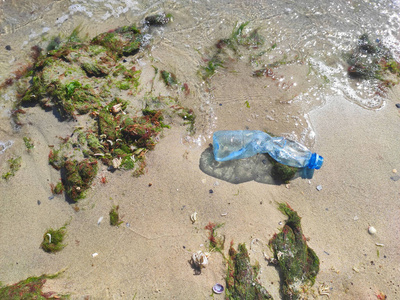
[[116, 108], [193, 217], [200, 259], [371, 230], [117, 162]]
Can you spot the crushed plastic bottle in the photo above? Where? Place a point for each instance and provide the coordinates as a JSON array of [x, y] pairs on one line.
[[237, 144]]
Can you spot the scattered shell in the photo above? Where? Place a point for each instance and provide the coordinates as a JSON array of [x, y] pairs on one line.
[[218, 288], [356, 270], [371, 230], [394, 171], [380, 245], [116, 162], [224, 214], [95, 254], [99, 220], [319, 187], [110, 142], [116, 108], [200, 259], [193, 217], [49, 235]]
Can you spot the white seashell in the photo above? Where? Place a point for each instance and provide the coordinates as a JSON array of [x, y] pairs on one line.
[[371, 230], [193, 217], [99, 220], [116, 162], [49, 235], [116, 108], [95, 254], [200, 259]]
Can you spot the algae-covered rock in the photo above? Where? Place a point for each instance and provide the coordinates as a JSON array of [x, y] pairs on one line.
[[371, 60], [241, 280], [299, 265], [160, 19]]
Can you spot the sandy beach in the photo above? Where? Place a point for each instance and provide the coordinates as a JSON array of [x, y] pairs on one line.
[[148, 255]]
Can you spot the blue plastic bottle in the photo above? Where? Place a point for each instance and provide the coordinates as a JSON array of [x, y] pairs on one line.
[[238, 144]]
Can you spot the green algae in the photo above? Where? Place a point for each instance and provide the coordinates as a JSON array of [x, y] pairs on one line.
[[28, 143], [81, 77], [298, 264], [79, 176], [14, 164], [53, 240], [114, 216], [241, 278], [30, 289]]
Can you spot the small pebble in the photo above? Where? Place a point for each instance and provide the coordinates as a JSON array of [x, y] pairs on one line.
[[355, 218], [371, 230], [51, 197], [319, 187], [8, 47], [394, 171], [398, 105], [395, 177], [128, 225], [211, 191], [38, 202]]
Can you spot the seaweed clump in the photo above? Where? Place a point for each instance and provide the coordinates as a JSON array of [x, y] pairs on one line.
[[114, 216], [371, 60], [230, 47], [53, 240], [241, 279], [281, 172], [298, 263], [79, 176], [14, 166], [30, 289]]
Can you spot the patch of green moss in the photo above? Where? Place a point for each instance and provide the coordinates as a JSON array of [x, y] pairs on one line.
[[114, 216], [53, 240], [299, 264], [14, 165], [241, 278], [30, 289]]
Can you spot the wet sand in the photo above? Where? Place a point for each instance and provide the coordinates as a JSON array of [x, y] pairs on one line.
[[149, 258]]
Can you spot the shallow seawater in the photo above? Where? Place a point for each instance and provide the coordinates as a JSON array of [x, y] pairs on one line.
[[309, 40]]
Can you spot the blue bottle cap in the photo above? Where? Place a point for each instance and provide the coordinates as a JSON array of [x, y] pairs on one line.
[[315, 162]]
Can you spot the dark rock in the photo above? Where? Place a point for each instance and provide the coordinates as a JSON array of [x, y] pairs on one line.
[[8, 47]]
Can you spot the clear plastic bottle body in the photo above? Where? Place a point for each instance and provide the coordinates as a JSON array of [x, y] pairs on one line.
[[239, 144], [290, 153]]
